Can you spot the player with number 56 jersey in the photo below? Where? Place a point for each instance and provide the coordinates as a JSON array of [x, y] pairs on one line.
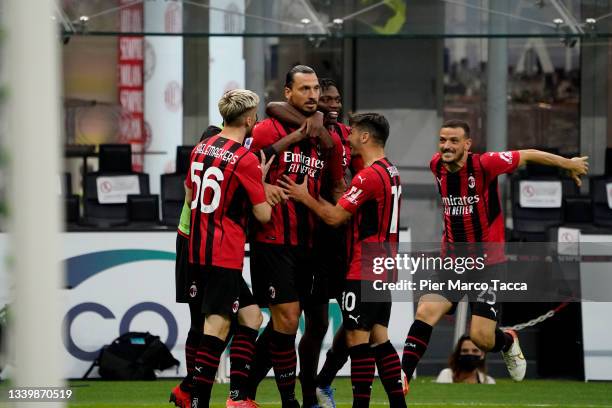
[[224, 184], [224, 177]]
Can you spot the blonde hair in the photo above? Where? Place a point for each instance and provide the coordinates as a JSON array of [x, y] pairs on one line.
[[235, 103]]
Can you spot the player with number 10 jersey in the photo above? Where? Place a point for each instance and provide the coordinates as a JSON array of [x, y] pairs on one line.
[[372, 206]]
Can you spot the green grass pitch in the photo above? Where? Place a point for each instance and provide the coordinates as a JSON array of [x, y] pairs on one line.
[[424, 394]]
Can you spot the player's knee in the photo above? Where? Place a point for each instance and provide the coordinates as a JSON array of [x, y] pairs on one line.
[[429, 312], [251, 317], [482, 338], [286, 320], [356, 337], [259, 319]]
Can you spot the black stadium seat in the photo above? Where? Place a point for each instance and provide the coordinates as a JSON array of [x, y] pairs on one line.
[[143, 209], [173, 197], [115, 158], [531, 224], [172, 190], [183, 154], [577, 210], [107, 215], [71, 201], [602, 214]]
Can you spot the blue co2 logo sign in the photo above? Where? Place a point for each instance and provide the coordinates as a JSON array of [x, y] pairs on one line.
[[124, 324], [83, 267]]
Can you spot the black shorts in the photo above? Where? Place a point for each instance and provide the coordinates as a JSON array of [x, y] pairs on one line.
[[360, 315], [220, 291], [181, 269], [329, 265], [483, 302], [280, 274]]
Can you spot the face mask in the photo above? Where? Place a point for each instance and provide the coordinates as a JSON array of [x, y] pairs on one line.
[[468, 362]]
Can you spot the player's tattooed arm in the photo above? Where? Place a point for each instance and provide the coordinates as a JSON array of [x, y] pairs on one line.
[[330, 214], [576, 166]]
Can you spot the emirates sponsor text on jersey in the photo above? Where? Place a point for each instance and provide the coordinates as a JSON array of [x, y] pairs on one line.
[[459, 205], [301, 164]]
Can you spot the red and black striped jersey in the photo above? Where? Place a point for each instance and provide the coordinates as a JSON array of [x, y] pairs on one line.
[[340, 133], [353, 163], [224, 178], [471, 203], [292, 223], [374, 199]]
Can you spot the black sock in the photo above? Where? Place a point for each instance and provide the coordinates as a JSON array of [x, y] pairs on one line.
[[284, 362], [309, 394], [335, 359], [194, 337], [390, 373], [362, 374], [262, 362], [503, 341], [206, 365], [415, 346], [309, 350], [241, 358]]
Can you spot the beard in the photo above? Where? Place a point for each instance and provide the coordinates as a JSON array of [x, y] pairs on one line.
[[451, 157]]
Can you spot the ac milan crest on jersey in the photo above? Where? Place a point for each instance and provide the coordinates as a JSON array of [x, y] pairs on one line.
[[193, 290]]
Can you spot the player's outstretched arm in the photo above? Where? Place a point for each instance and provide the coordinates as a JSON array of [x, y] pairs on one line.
[[330, 214], [576, 166]]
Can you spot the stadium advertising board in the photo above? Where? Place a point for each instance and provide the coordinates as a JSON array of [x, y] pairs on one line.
[[119, 282]]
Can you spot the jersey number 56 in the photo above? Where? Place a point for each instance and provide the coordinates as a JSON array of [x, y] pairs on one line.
[[211, 179]]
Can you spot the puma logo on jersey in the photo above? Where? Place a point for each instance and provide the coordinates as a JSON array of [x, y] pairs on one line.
[[356, 319]]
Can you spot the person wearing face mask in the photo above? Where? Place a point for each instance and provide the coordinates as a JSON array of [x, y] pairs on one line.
[[467, 365]]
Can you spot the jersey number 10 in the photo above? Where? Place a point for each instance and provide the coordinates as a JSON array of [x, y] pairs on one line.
[[211, 179]]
